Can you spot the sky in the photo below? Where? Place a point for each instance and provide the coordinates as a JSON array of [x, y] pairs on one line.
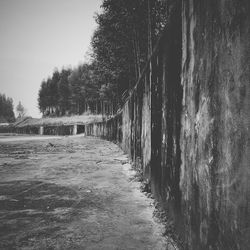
[[37, 36]]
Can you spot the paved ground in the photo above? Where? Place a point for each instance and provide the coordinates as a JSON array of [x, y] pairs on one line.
[[72, 193]]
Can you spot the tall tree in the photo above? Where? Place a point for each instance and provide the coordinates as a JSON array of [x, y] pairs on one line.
[[64, 91], [77, 90], [21, 112], [126, 33], [6, 109], [55, 92], [121, 45]]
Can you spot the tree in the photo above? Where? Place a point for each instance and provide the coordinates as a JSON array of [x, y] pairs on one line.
[[54, 92], [121, 45], [126, 32], [77, 90], [64, 91], [6, 109], [21, 112]]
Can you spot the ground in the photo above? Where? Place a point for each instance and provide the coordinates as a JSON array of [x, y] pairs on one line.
[[72, 193]]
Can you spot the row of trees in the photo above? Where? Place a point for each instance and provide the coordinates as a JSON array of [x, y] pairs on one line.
[[69, 91], [6, 109], [121, 44], [123, 41]]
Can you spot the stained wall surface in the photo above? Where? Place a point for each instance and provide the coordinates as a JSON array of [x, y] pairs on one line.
[[215, 171], [186, 123]]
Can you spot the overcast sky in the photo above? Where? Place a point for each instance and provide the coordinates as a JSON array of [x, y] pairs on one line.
[[37, 36]]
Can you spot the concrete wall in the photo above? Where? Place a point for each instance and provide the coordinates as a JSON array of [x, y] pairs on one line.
[[109, 129], [186, 123], [215, 171]]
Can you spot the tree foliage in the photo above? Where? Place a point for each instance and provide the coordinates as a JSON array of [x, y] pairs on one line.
[[21, 112], [6, 109], [68, 91], [121, 45], [126, 32]]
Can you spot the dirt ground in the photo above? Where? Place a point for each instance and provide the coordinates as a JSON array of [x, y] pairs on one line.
[[72, 193]]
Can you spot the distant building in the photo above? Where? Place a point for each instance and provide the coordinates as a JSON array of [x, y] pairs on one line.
[[4, 124]]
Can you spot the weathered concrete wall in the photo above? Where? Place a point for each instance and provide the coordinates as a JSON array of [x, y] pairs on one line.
[[186, 123], [215, 172], [151, 118], [109, 129], [146, 127]]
